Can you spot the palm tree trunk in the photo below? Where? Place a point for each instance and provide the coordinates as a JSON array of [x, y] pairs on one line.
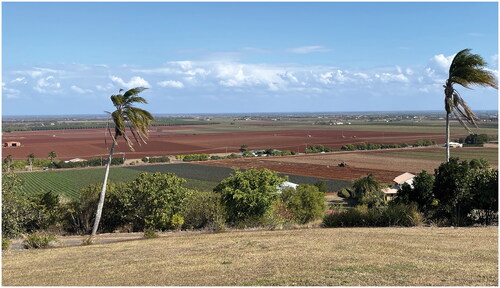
[[447, 137], [103, 191]]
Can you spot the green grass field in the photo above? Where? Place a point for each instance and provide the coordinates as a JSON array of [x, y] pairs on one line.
[[489, 154], [299, 257]]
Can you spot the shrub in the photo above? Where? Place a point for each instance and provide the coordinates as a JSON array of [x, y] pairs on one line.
[[150, 233], [344, 193], [203, 210], [361, 146], [38, 240], [348, 147], [306, 202], [372, 146], [177, 221], [154, 199], [248, 194], [362, 216], [321, 186], [5, 243]]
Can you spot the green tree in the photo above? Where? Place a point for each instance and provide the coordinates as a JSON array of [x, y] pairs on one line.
[[244, 148], [31, 158], [139, 120], [485, 194], [452, 190], [155, 199], [367, 190], [248, 194], [306, 202], [466, 70], [52, 155], [421, 193], [17, 210], [8, 162]]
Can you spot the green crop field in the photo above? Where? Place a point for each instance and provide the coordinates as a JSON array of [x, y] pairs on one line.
[[199, 177], [489, 154]]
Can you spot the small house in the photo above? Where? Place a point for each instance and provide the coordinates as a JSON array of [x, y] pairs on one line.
[[12, 144], [392, 191], [286, 185], [75, 160]]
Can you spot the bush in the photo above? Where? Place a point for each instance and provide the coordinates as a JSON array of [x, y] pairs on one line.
[[321, 186], [150, 233], [392, 215], [248, 194], [348, 147], [203, 210], [344, 193], [38, 240], [306, 202], [5, 243], [195, 157]]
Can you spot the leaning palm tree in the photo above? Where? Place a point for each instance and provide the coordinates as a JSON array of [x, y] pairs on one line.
[[466, 70], [139, 120]]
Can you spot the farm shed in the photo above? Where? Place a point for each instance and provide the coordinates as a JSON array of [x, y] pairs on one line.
[[12, 144], [391, 191], [286, 185]]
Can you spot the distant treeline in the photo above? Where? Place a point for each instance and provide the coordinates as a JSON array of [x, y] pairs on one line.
[[67, 126]]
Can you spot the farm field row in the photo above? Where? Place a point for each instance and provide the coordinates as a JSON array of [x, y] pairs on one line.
[[298, 257], [384, 164], [199, 177], [224, 137]]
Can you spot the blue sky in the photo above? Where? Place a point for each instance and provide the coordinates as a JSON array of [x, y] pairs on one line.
[[68, 58]]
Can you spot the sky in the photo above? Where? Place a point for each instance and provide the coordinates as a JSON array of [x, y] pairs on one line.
[[61, 58]]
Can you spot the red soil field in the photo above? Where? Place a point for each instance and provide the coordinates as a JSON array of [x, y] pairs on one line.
[[360, 164], [88, 143]]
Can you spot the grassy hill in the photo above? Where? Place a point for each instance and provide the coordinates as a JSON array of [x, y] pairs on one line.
[[304, 257]]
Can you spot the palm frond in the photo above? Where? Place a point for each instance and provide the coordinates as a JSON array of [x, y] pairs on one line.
[[133, 91]]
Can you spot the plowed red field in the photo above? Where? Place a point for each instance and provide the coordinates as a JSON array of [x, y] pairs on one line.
[[88, 143]]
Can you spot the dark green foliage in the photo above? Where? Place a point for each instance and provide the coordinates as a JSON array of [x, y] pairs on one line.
[[367, 190], [248, 194], [348, 147], [150, 233], [372, 146], [5, 243], [452, 190], [421, 193], [155, 199], [424, 142], [306, 202], [345, 193], [203, 210], [17, 210], [484, 186], [361, 146], [392, 215], [476, 139], [91, 162], [318, 149], [247, 154], [159, 159], [195, 157], [39, 241], [244, 148], [321, 185]]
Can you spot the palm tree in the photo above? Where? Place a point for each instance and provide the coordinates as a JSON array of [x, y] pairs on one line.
[[139, 119], [31, 157], [466, 70], [52, 155], [8, 162]]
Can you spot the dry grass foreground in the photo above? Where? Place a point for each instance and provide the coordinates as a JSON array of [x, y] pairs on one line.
[[306, 257]]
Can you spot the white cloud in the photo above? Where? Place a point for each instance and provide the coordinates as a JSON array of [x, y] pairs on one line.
[[48, 85], [308, 49], [10, 92], [135, 81], [106, 87], [81, 90], [171, 83], [21, 80]]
